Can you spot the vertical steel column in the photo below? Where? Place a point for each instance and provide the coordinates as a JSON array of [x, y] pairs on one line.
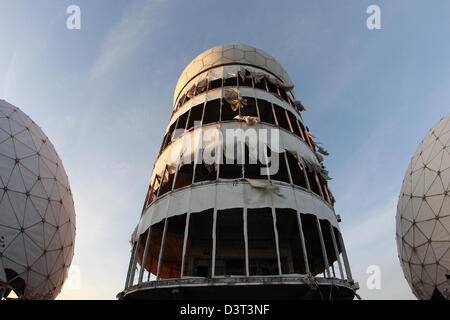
[[274, 217], [133, 251], [186, 232], [336, 250], [277, 242], [302, 238], [299, 219], [213, 256], [324, 251], [144, 259], [135, 258], [161, 249], [344, 255], [163, 242], [247, 268]]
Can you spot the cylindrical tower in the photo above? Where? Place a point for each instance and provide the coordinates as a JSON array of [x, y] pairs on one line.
[[238, 204]]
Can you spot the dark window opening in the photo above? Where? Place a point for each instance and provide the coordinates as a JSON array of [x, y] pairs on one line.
[[230, 170], [195, 117], [184, 176], [230, 82], [266, 112], [262, 252], [282, 173], [167, 183], [173, 247], [168, 136], [205, 172], [290, 242], [283, 94], [250, 108], [182, 120], [297, 171], [252, 170], [212, 111], [227, 112], [154, 189], [323, 185], [302, 130], [151, 263], [313, 245], [272, 88], [247, 82], [164, 142], [181, 101], [261, 84], [199, 244], [328, 241], [293, 121], [312, 181], [281, 117], [215, 84], [230, 245]]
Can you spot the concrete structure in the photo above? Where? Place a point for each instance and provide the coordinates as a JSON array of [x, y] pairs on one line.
[[238, 204], [423, 216], [37, 215]]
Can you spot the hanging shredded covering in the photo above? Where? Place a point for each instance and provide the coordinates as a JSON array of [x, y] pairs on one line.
[[265, 185], [258, 76], [313, 167], [249, 120], [299, 105], [244, 73], [233, 97], [322, 150], [191, 92], [295, 155], [279, 84], [319, 157], [202, 85]]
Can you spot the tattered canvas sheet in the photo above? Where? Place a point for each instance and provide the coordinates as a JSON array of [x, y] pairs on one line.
[[233, 195], [309, 203], [256, 197], [291, 142], [249, 120]]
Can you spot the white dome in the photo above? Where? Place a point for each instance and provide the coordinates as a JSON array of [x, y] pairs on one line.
[[37, 215], [231, 54], [423, 216]]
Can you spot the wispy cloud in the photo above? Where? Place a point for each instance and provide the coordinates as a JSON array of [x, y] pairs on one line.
[[126, 36]]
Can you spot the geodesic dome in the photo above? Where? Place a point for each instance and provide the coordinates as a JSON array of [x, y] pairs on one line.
[[423, 216], [37, 215]]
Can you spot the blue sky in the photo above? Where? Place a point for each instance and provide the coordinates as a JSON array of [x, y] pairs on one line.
[[103, 95]]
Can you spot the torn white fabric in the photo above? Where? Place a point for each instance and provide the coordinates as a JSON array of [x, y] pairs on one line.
[[210, 136], [249, 120], [233, 97], [233, 195], [265, 185]]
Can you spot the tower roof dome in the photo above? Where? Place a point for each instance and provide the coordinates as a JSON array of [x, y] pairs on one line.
[[231, 54]]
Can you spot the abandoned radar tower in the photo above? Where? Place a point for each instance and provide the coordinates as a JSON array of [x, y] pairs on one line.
[[238, 204]]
